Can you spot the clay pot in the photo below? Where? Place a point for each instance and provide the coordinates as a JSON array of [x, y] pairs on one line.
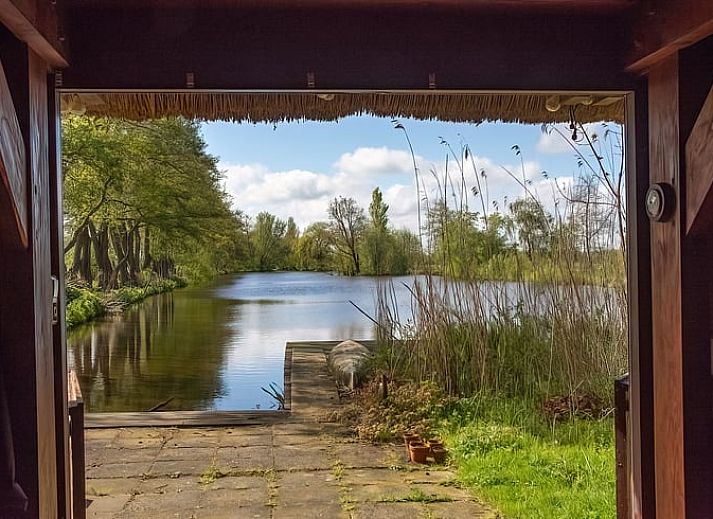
[[410, 437], [439, 454], [418, 452], [434, 442]]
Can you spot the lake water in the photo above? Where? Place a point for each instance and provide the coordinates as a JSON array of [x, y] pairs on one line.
[[215, 347]]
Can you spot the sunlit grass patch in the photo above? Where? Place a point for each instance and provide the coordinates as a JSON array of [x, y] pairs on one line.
[[528, 468]]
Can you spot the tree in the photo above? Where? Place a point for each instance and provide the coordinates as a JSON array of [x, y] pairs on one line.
[[267, 238], [533, 225], [376, 236], [142, 199], [292, 237], [347, 221], [315, 250]]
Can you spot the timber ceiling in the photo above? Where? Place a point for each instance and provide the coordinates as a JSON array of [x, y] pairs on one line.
[[570, 6]]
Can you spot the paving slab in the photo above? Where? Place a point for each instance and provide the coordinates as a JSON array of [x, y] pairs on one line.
[[110, 487], [104, 506], [197, 453], [259, 439], [294, 488], [391, 511], [118, 470], [302, 469], [302, 457], [314, 510], [124, 455], [244, 458], [362, 455], [182, 505], [178, 468]]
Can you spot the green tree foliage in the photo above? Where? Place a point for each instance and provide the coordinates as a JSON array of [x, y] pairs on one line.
[[143, 200], [532, 224], [462, 241], [348, 223], [315, 249], [377, 237], [268, 242]]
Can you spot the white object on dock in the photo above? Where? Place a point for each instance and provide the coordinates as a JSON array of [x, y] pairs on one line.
[[346, 360]]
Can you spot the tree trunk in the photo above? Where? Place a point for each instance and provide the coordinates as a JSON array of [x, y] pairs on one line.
[[82, 258], [100, 240], [120, 273], [147, 249]]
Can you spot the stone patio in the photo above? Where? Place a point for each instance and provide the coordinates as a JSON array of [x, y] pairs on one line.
[[303, 468]]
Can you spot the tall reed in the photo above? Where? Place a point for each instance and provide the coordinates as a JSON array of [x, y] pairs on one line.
[[557, 326]]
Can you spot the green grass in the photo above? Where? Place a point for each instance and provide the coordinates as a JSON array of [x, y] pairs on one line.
[[517, 461]]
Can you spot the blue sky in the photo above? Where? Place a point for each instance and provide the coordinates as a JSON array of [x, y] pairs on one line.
[[294, 169]]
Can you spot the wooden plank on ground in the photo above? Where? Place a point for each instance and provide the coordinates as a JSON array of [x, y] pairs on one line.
[[184, 419]]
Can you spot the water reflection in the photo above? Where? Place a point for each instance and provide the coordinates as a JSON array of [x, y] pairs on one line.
[[216, 347]]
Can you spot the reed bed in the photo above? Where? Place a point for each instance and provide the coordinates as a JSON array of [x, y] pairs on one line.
[[556, 327]]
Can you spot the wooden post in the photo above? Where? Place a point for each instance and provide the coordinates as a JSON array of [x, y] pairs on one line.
[[59, 327], [26, 285], [682, 291], [640, 438], [621, 424], [76, 417]]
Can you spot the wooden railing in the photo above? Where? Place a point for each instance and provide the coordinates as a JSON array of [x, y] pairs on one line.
[[76, 446], [621, 424]]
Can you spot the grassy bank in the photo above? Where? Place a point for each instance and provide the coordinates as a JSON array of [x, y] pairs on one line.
[[520, 456], [528, 466], [85, 304]]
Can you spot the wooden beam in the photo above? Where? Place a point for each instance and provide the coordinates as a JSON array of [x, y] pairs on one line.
[[590, 6], [664, 27], [275, 49], [12, 171], [59, 329], [36, 22], [699, 170], [640, 434], [667, 341]]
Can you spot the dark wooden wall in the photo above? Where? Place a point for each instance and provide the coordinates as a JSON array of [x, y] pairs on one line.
[[345, 48], [682, 288], [26, 334]]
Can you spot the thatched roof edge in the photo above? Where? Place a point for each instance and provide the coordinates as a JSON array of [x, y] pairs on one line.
[[285, 106]]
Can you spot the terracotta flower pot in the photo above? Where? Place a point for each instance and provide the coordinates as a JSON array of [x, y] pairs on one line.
[[439, 454], [434, 442], [410, 437], [418, 452]]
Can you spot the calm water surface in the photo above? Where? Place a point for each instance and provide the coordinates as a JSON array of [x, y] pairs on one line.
[[216, 347]]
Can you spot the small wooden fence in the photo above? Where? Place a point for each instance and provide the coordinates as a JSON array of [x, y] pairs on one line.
[[76, 446]]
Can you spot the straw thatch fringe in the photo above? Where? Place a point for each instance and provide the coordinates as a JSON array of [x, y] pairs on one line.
[[280, 107]]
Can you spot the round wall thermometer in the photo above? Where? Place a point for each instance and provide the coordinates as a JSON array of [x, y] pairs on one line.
[[660, 201]]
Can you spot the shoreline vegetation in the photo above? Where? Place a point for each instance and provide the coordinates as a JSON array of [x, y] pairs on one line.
[[85, 304], [521, 389]]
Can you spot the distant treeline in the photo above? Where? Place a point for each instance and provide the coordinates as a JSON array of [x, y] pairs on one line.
[[145, 202]]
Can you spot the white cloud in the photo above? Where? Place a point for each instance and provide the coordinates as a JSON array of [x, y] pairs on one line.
[[553, 142], [558, 138], [305, 195], [375, 161]]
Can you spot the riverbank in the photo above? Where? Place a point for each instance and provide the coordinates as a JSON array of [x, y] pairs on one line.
[[85, 304], [513, 453]]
